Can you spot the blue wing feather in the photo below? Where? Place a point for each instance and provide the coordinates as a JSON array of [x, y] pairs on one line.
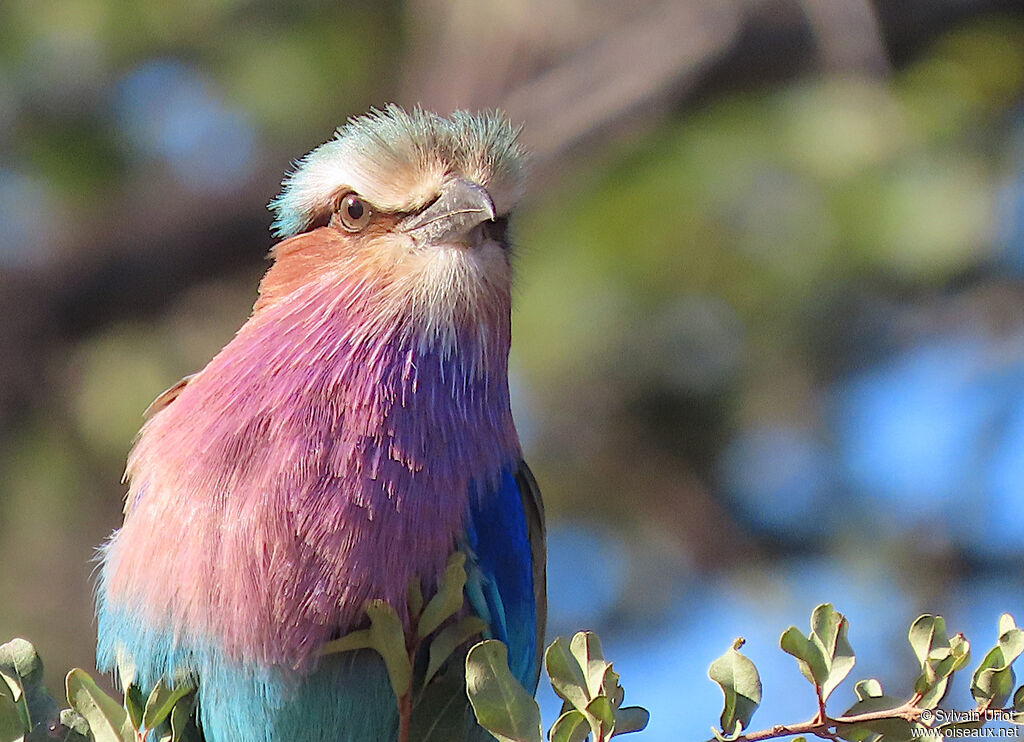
[[500, 585]]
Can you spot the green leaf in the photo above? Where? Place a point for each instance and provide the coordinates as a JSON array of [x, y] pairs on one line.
[[1006, 624], [737, 676], [825, 657], [994, 678], [359, 639], [181, 715], [502, 706], [923, 633], [896, 729], [20, 656], [631, 719], [12, 727], [829, 628], [933, 697], [807, 653], [869, 688], [160, 703], [571, 726], [75, 724], [448, 599], [722, 737], [449, 639], [11, 688], [610, 687], [134, 705], [108, 721], [387, 637], [1011, 644], [872, 704], [125, 668], [566, 675], [959, 655], [12, 685], [601, 716], [942, 663], [586, 648], [440, 713], [1018, 699], [938, 656], [992, 681], [414, 597]]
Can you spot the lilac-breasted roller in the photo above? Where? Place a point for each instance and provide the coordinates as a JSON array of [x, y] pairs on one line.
[[352, 436]]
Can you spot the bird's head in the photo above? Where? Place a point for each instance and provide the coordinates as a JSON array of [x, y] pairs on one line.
[[410, 201]]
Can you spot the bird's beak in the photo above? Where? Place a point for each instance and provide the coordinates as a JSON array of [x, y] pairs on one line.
[[461, 206]]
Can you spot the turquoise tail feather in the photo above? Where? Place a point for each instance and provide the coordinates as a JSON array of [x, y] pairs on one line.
[[346, 698]]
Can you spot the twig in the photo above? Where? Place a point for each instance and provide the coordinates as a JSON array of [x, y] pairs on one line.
[[404, 716], [822, 725]]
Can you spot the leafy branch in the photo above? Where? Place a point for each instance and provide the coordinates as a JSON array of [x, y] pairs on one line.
[[825, 659], [580, 675], [427, 664], [589, 687], [400, 650]]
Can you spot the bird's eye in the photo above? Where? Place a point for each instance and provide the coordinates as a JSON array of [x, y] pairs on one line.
[[354, 213]]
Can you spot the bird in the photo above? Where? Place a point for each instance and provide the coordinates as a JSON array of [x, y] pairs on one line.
[[353, 435]]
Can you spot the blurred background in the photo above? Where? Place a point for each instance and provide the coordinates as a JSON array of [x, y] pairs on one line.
[[769, 333]]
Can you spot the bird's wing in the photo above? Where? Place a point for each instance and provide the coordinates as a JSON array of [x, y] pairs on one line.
[[533, 509], [506, 567], [166, 397], [162, 401]]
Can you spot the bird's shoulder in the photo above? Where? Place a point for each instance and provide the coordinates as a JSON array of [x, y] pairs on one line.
[[167, 396]]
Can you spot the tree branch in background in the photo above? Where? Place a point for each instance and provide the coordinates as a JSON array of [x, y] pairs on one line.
[[577, 76]]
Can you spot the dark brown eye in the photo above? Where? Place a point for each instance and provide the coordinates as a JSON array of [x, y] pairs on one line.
[[354, 213]]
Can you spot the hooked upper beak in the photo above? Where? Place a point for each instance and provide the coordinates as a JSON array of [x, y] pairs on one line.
[[461, 206]]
